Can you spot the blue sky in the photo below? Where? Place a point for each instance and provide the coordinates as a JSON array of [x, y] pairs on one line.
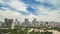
[[43, 10]]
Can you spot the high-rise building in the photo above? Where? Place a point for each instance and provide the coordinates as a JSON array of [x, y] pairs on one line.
[[26, 21], [0, 23], [46, 24], [8, 22], [16, 21], [34, 21]]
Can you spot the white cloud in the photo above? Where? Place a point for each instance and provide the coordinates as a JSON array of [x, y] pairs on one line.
[[13, 15], [9, 14], [53, 2], [45, 14], [1, 1], [18, 5]]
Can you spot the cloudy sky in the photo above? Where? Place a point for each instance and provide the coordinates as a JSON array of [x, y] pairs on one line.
[[42, 10]]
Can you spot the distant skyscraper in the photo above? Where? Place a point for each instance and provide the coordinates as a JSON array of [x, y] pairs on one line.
[[34, 21], [16, 21], [0, 23], [26, 21], [8, 22], [46, 24]]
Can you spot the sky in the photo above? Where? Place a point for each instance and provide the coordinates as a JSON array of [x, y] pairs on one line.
[[42, 10]]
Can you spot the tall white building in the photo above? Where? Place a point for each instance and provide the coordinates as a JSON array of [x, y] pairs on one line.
[[34, 21], [15, 22], [0, 23], [13, 25]]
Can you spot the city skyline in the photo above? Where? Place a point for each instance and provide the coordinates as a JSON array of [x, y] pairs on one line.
[[26, 19], [43, 10], [11, 23]]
